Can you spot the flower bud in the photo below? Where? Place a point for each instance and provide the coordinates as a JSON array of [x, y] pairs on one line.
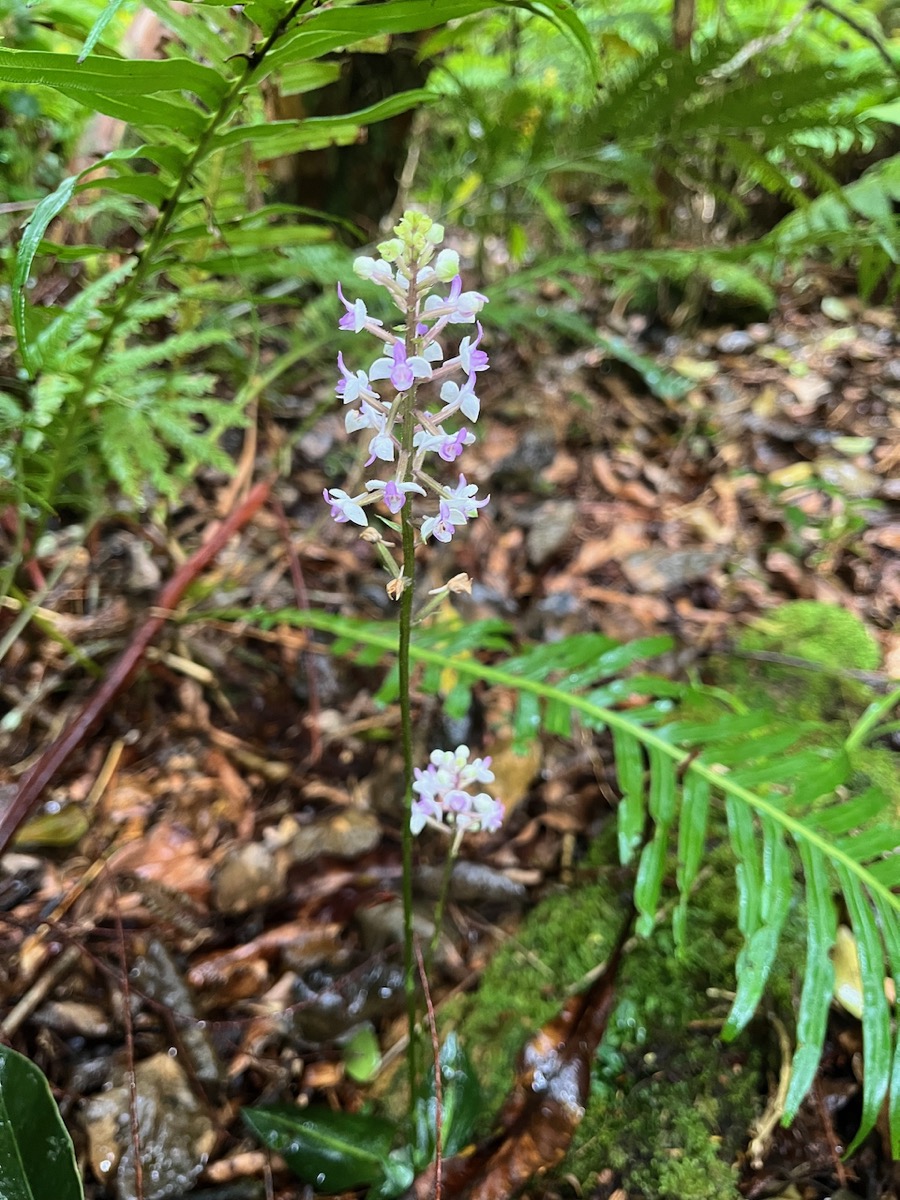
[[446, 265], [364, 266], [391, 250]]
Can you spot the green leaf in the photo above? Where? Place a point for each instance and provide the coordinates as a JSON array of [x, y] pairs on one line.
[[630, 813], [876, 1021], [37, 1158], [146, 187], [105, 76], [691, 845], [96, 31], [331, 1151], [748, 869], [330, 29], [758, 953], [662, 805], [462, 1103], [273, 139], [892, 940], [48, 208], [818, 980], [298, 78], [362, 1055]]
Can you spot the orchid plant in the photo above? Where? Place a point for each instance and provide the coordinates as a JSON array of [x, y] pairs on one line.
[[416, 405]]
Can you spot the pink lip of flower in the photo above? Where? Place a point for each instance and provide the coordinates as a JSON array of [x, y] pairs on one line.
[[471, 358], [462, 499], [441, 527], [401, 370], [490, 812], [343, 507], [357, 316], [453, 447], [394, 494], [352, 387]]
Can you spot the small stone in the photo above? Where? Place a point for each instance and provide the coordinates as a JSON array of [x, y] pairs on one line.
[[738, 341], [850, 479], [550, 531], [657, 570], [249, 876], [836, 309], [176, 1135]]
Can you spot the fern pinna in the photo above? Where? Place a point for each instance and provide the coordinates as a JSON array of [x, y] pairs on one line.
[[115, 402], [787, 828]]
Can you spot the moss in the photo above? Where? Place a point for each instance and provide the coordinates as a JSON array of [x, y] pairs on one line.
[[831, 637], [670, 1106], [820, 633]]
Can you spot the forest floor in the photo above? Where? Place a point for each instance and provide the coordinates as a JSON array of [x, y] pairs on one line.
[[209, 889]]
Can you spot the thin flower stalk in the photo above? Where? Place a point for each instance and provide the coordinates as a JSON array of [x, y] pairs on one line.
[[410, 441]]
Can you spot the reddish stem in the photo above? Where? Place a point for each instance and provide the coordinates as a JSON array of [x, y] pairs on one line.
[[37, 778]]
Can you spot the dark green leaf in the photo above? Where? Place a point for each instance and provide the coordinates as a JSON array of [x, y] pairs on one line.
[[276, 138], [876, 1021], [748, 868], [106, 76], [630, 773], [37, 1159], [818, 980], [649, 879], [691, 845], [48, 208], [886, 871], [870, 843], [331, 1151], [850, 814], [462, 1103], [891, 929], [96, 32], [303, 77], [146, 187], [757, 956], [327, 29]]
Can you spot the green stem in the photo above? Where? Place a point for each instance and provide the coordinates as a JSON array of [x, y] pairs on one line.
[[403, 666], [868, 722], [407, 597], [445, 888]]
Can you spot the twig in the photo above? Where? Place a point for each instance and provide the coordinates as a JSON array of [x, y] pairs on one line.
[[770, 41], [438, 1084], [37, 778], [39, 990], [872, 679], [857, 28], [765, 1125], [759, 45]]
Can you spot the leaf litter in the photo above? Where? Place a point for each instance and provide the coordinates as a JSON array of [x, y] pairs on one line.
[[228, 832]]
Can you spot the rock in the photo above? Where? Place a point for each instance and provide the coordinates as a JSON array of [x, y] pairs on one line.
[[852, 480], [346, 834], [660, 570], [738, 341], [550, 531], [836, 309], [521, 468], [176, 1136], [248, 876]]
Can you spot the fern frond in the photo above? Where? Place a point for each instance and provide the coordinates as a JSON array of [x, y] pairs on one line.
[[716, 759]]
